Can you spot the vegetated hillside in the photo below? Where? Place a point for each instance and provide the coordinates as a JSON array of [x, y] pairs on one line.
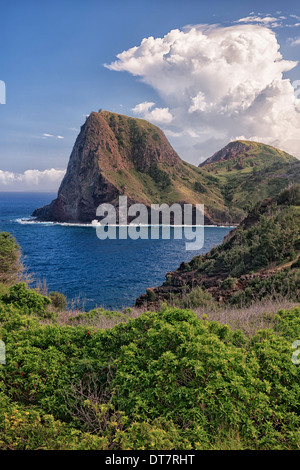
[[118, 155], [248, 172], [259, 258], [164, 380]]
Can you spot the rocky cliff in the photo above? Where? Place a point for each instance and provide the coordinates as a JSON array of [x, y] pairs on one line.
[[118, 155], [106, 153]]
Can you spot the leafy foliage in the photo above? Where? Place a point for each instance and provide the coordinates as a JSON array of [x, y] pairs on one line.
[[198, 298], [260, 258], [11, 267], [161, 177], [165, 380], [284, 283], [27, 300], [58, 300]]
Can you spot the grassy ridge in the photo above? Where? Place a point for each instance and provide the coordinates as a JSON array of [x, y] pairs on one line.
[[257, 172]]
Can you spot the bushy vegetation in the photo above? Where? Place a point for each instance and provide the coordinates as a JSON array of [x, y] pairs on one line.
[[258, 259], [228, 189], [197, 298], [261, 245], [284, 283], [257, 172], [58, 300], [11, 266], [28, 301], [165, 380]]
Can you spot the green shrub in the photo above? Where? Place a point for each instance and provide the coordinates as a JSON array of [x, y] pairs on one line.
[[4, 290], [58, 300], [198, 298], [30, 429], [151, 296], [160, 177], [165, 380], [296, 264], [99, 313], [284, 283], [27, 300], [229, 283]]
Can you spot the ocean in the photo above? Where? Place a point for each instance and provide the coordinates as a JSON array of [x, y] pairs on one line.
[[98, 273]]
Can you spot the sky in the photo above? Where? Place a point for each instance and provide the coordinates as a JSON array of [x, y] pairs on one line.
[[205, 72]]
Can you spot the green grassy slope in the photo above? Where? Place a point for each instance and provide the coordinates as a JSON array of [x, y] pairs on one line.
[[259, 258], [253, 173]]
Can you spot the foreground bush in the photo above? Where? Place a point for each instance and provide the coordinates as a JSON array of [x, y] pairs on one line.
[[165, 380], [27, 300]]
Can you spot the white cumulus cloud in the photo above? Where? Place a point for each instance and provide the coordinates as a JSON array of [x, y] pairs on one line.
[[142, 108], [47, 180], [159, 116], [217, 83], [156, 115]]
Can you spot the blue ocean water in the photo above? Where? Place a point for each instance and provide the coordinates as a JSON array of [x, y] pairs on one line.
[[74, 261]]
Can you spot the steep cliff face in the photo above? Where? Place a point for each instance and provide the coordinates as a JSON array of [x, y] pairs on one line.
[[106, 153], [117, 155]]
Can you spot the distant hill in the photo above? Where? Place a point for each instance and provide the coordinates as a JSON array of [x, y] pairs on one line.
[[118, 155], [247, 172], [259, 258], [242, 154]]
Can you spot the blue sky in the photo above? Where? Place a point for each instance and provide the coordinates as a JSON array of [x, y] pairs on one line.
[[52, 62]]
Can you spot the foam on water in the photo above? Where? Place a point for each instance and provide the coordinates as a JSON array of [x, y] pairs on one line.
[[30, 220]]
